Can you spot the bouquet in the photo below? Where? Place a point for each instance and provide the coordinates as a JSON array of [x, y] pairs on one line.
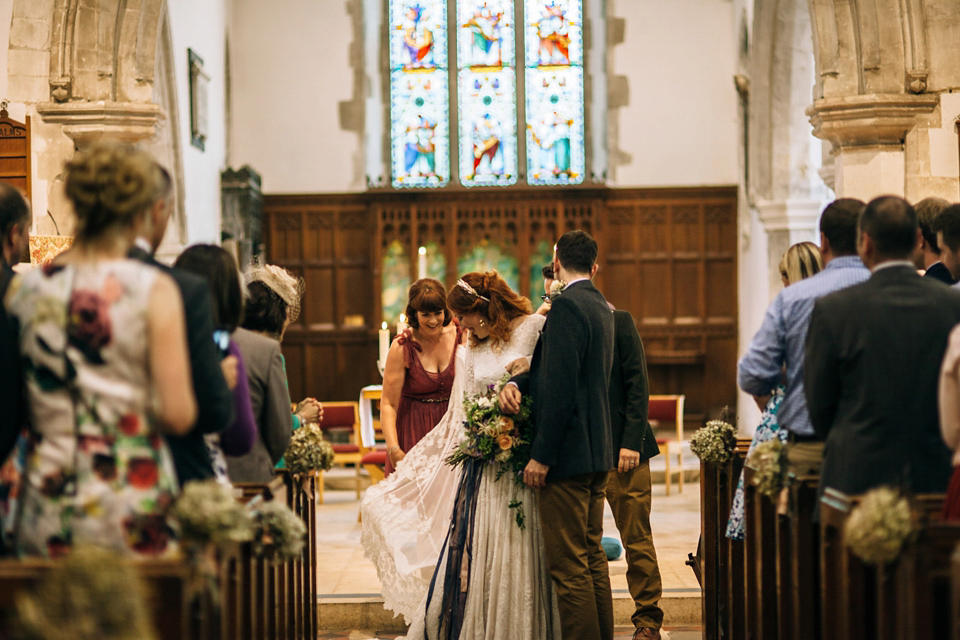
[[308, 451], [208, 512], [877, 527], [714, 443], [494, 437], [279, 533]]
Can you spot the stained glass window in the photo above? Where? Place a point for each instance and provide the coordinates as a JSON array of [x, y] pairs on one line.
[[395, 281], [486, 56], [487, 256], [541, 255], [419, 96], [554, 91]]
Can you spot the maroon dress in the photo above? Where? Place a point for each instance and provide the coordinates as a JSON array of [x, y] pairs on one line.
[[424, 396]]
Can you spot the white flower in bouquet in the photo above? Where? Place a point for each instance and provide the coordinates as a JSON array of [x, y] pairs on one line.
[[484, 402], [207, 512], [877, 527]]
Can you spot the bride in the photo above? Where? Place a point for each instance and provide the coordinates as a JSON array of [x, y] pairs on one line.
[[503, 588]]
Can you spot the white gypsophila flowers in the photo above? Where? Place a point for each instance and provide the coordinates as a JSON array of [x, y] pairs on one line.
[[766, 460], [308, 451], [279, 533], [207, 512], [714, 443], [877, 527]]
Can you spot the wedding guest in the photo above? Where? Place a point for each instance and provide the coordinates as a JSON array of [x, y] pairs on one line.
[[109, 370], [208, 372], [869, 365], [419, 372], [926, 257], [800, 261], [947, 226], [949, 399], [629, 488], [779, 343], [219, 269], [547, 272]]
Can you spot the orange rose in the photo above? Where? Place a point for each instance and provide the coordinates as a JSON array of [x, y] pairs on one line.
[[506, 425], [505, 442]]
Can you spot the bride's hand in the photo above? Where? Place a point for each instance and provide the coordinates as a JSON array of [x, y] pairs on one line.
[[518, 366], [396, 455]]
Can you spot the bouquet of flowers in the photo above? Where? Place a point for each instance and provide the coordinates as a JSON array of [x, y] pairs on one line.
[[767, 459], [308, 451], [878, 526], [494, 437], [279, 533], [714, 443], [208, 512]]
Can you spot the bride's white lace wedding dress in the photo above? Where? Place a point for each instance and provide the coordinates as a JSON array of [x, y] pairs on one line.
[[406, 518]]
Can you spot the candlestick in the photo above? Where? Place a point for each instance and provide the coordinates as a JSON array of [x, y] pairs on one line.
[[422, 262], [402, 324], [384, 343]]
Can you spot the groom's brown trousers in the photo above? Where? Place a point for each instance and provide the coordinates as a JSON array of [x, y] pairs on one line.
[[571, 514]]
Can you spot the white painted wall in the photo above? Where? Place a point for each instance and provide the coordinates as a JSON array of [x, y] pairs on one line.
[[290, 69], [680, 124], [201, 25]]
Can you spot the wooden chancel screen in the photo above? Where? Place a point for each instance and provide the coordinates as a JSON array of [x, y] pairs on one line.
[[666, 255]]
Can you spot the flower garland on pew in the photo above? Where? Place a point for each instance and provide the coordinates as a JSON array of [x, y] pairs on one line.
[[714, 443], [91, 594], [878, 527], [308, 451], [767, 460], [279, 534]]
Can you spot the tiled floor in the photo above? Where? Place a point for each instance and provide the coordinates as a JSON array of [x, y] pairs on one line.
[[345, 576]]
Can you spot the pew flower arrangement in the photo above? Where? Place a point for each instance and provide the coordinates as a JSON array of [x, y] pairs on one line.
[[279, 533], [93, 594], [877, 527], [207, 512], [308, 451], [714, 442], [767, 460]]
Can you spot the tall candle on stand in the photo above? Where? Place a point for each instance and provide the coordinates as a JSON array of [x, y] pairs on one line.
[[422, 263], [384, 343], [402, 324]]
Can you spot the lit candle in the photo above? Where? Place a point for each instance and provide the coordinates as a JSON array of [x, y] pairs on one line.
[[384, 343], [422, 262], [402, 324]]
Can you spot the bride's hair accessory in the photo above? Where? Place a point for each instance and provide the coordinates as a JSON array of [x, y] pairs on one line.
[[466, 287]]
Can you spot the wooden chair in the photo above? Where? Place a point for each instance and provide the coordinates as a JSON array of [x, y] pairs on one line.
[[666, 409], [343, 417]]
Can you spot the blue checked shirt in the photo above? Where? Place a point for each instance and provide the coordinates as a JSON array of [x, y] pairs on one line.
[[781, 339]]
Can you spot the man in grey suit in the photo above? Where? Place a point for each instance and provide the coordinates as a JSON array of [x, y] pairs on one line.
[[872, 364], [271, 408]]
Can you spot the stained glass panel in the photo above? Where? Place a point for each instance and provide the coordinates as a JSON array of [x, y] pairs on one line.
[[541, 255], [419, 96], [554, 91], [436, 262], [395, 281], [486, 256], [487, 92]]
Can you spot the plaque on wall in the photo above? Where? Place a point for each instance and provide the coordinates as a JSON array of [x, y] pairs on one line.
[[198, 100]]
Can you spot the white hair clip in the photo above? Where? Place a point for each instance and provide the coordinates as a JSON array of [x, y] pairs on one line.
[[466, 287]]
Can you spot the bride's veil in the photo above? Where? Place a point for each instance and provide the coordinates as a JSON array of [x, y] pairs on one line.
[[406, 517]]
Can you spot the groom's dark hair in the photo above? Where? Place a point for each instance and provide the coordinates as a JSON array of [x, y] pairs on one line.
[[577, 251]]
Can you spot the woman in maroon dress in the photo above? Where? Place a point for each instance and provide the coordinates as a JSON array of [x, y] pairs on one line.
[[419, 371]]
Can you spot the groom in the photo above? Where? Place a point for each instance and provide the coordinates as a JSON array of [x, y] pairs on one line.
[[572, 442]]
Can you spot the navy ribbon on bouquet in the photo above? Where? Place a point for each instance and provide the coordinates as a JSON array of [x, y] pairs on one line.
[[458, 547]]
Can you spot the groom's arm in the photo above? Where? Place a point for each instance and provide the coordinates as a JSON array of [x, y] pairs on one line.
[[562, 350]]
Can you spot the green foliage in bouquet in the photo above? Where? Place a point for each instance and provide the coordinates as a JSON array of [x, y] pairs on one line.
[[492, 436], [207, 512], [93, 594], [714, 443], [308, 451], [877, 527], [766, 460], [279, 533]]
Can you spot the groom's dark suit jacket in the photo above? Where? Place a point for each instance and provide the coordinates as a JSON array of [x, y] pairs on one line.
[[569, 380], [871, 372], [630, 391], [214, 400]]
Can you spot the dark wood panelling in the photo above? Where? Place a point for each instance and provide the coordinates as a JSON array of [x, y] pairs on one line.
[[669, 256]]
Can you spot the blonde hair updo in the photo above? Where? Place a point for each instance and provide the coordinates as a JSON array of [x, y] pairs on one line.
[[800, 261], [110, 185]]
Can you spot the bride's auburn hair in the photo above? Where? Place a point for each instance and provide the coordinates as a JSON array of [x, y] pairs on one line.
[[501, 306]]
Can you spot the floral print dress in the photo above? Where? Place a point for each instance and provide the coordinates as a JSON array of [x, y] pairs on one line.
[[97, 470]]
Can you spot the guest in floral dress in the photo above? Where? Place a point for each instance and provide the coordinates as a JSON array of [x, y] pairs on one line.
[[106, 371], [419, 371], [801, 260]]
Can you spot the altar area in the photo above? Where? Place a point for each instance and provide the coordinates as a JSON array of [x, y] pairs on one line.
[[349, 590]]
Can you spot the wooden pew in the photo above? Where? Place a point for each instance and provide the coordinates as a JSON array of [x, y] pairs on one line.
[[761, 562], [798, 548]]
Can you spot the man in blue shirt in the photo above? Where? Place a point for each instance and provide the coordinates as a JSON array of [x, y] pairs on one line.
[[780, 341]]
